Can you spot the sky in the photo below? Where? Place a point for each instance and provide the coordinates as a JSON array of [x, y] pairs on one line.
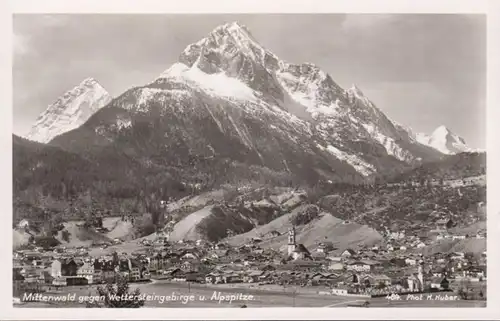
[[422, 71]]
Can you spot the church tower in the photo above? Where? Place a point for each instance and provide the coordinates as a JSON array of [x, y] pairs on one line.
[[421, 274], [291, 240]]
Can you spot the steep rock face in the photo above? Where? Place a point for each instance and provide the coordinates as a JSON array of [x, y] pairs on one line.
[[70, 111], [345, 118], [228, 98]]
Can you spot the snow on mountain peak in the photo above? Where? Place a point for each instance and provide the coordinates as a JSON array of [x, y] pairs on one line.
[[443, 140], [213, 84], [355, 91], [441, 131], [70, 111], [230, 63], [233, 27], [89, 82], [226, 42]]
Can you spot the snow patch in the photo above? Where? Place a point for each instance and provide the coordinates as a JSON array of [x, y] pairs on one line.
[[309, 97], [390, 145], [215, 84], [361, 166]]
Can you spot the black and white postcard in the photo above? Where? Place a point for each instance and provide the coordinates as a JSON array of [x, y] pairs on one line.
[[258, 160]]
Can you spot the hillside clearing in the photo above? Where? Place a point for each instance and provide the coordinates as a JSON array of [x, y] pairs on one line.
[[186, 228], [325, 227]]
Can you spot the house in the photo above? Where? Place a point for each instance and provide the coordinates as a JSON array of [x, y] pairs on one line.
[[60, 281], [108, 272], [145, 274], [440, 283], [396, 235], [414, 284], [97, 277], [369, 254], [123, 268], [86, 270], [32, 256], [76, 280], [347, 253], [64, 267], [232, 277], [475, 271], [214, 278], [154, 262], [322, 278], [136, 269], [253, 276], [335, 266], [444, 224], [70, 267], [17, 275], [23, 224], [420, 245], [45, 276], [56, 269], [334, 258], [318, 256], [301, 253], [220, 246], [177, 275], [201, 243], [439, 272], [339, 291], [267, 267], [457, 255], [195, 277], [190, 255], [325, 247], [380, 279], [358, 266], [190, 266]]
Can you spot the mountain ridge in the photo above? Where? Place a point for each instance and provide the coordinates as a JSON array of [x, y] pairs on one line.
[[231, 99]]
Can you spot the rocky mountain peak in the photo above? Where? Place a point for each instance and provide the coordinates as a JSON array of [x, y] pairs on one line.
[[70, 110], [443, 140]]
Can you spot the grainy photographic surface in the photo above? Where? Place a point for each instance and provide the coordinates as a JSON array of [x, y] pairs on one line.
[[227, 161]]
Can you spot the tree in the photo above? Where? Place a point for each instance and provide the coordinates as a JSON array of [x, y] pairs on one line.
[[116, 259], [114, 294], [65, 235]]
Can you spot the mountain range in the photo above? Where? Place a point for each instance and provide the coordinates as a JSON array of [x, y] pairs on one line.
[[232, 106]]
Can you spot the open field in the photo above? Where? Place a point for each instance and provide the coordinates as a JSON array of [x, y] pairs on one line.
[[188, 295]]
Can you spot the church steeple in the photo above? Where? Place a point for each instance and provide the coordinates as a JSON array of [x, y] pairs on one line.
[[291, 240], [420, 274]]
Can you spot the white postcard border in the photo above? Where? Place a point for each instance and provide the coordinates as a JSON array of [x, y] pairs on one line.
[[491, 8]]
